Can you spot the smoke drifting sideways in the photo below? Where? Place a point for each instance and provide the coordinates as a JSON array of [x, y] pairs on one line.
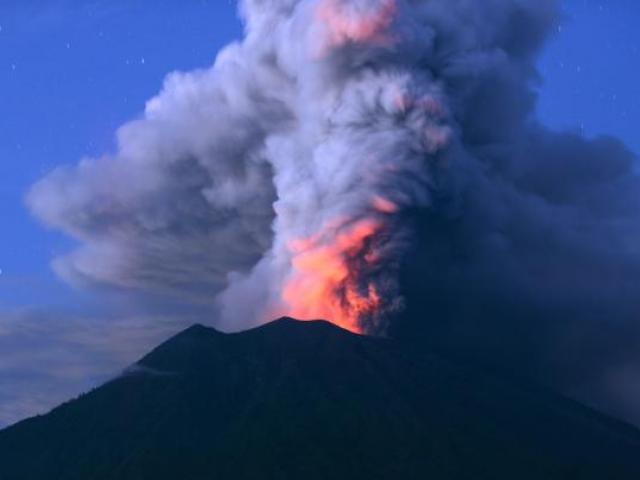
[[376, 163]]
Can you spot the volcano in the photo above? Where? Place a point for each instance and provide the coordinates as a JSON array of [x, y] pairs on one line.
[[308, 400]]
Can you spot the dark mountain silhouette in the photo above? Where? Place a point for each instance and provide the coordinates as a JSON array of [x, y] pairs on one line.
[[307, 400]]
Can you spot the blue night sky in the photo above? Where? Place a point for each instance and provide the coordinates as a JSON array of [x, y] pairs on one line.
[[71, 72]]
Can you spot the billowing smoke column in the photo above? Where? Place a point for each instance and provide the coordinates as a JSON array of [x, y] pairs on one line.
[[324, 113], [374, 160], [368, 128]]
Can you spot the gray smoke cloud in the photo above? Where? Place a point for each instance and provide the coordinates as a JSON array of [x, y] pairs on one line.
[[370, 160]]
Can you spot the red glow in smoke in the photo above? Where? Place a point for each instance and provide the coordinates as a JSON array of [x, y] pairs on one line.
[[344, 25], [384, 205], [326, 282]]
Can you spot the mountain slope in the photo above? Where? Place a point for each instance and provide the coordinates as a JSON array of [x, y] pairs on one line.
[[311, 401]]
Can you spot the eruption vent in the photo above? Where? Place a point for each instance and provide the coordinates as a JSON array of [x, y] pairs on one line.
[[329, 277]]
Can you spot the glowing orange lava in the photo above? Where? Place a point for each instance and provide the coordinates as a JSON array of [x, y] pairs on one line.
[[325, 283], [344, 25]]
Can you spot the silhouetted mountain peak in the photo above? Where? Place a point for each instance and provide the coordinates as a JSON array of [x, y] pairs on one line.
[[199, 344], [291, 327], [198, 330], [282, 325], [302, 325], [310, 400]]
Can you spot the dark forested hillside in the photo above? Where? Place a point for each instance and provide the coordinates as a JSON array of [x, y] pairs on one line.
[[294, 400]]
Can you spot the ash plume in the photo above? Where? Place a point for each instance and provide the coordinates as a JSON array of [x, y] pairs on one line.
[[377, 163]]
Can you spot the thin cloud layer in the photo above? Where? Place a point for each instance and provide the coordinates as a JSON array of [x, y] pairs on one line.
[[49, 358]]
